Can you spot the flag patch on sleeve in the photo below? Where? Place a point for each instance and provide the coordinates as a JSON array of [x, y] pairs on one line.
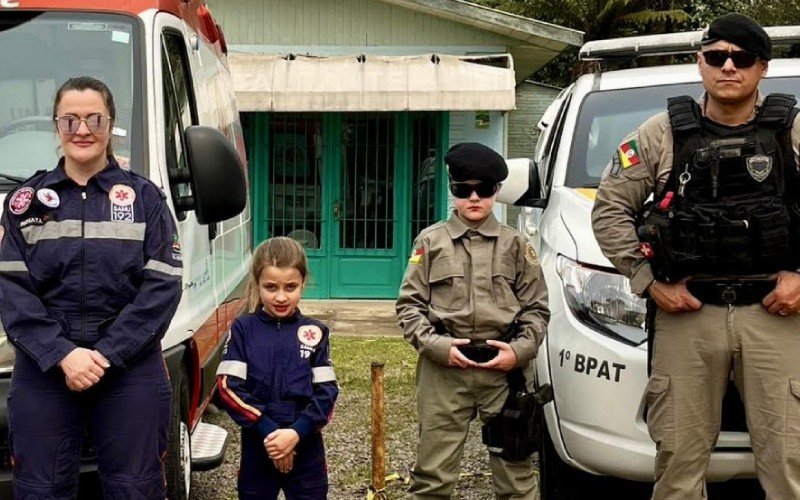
[[416, 257], [629, 154]]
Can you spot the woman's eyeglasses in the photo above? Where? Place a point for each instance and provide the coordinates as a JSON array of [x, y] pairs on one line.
[[741, 59], [71, 123], [483, 189]]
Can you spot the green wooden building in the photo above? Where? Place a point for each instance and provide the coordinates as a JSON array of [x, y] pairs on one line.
[[348, 107]]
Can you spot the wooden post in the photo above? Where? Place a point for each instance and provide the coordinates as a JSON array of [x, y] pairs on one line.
[[378, 431]]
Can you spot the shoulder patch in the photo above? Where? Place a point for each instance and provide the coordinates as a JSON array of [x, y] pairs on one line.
[[530, 255], [628, 154], [20, 200], [416, 256]]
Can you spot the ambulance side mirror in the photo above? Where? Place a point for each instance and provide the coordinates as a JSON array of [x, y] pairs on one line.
[[522, 186], [216, 174]]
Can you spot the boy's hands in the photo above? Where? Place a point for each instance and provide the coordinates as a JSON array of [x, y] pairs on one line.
[[505, 360], [280, 444], [456, 357]]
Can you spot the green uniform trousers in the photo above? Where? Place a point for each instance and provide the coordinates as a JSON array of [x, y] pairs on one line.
[[692, 359], [448, 399]]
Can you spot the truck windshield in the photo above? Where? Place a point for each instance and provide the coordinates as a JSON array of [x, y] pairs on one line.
[[606, 117], [41, 50]]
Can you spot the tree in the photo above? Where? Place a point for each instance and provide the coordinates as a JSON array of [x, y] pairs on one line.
[[600, 19]]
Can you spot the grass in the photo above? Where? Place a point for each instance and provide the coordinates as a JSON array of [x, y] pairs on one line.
[[348, 437]]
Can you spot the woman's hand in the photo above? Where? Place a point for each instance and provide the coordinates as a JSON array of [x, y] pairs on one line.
[[279, 444], [83, 368]]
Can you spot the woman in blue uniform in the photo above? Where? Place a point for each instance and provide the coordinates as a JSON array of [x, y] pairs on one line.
[[277, 382], [89, 281]]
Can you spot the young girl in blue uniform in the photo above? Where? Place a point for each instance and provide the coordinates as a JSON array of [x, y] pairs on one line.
[[277, 382]]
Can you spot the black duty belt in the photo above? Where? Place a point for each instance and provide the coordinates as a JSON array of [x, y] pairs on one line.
[[735, 292]]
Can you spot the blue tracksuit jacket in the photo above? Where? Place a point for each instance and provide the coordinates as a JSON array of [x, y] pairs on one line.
[[277, 373]]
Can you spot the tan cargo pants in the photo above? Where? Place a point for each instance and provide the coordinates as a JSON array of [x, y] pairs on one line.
[[693, 355], [448, 399]]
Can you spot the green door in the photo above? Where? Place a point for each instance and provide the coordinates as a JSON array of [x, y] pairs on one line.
[[354, 188]]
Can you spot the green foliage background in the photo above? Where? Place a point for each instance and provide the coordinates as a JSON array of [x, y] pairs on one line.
[[601, 19]]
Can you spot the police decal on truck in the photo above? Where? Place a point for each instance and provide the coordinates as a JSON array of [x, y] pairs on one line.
[[587, 364]]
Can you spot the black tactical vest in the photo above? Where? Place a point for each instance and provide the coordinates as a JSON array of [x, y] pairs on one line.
[[730, 204]]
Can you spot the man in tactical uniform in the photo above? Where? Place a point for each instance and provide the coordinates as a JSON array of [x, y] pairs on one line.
[[717, 252], [469, 279]]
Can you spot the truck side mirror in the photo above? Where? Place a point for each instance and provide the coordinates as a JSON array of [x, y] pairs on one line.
[[216, 175], [522, 186]]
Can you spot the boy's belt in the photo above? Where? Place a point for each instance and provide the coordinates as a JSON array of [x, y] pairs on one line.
[[723, 292]]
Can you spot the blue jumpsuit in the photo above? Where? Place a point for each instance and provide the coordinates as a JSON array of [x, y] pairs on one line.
[[274, 374], [96, 267]]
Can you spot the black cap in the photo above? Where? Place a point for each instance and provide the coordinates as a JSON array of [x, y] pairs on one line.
[[468, 161], [742, 31]]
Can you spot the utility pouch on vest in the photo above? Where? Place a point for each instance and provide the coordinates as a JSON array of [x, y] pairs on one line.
[[516, 432]]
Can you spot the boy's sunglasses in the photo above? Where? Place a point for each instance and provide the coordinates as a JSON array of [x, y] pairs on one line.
[[71, 123], [741, 59], [483, 189]]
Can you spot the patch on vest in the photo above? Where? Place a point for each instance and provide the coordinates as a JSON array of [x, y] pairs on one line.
[[629, 154], [759, 167]]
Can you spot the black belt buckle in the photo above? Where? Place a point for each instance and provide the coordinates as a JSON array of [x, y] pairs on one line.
[[730, 292]]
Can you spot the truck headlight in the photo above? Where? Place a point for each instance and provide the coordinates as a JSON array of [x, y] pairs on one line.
[[6, 354], [603, 301]]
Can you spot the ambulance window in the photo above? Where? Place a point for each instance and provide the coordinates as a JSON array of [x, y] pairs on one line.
[[179, 106]]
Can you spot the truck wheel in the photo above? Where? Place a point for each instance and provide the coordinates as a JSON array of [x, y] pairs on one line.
[[556, 478], [178, 466]]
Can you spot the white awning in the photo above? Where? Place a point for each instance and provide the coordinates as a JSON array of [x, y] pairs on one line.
[[372, 83]]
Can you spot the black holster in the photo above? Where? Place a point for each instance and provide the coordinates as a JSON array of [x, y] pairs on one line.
[[516, 432]]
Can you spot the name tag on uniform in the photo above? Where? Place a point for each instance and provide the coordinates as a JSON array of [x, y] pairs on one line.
[[121, 213]]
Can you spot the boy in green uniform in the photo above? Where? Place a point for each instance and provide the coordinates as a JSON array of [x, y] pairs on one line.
[[467, 281]]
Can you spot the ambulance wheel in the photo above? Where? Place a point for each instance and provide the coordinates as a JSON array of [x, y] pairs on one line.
[[178, 466]]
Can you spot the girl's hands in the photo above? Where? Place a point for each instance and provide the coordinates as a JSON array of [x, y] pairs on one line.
[[280, 444], [284, 465]]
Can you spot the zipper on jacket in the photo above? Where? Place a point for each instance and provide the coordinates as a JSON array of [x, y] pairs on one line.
[[83, 265]]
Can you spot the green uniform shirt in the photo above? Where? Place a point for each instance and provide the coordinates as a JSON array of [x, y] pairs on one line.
[[475, 281]]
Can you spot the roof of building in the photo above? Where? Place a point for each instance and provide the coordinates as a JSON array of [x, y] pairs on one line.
[[539, 42]]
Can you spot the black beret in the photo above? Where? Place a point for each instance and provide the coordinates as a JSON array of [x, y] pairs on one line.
[[742, 31], [468, 161]]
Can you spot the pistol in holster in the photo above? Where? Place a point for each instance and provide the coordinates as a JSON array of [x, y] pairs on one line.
[[516, 432]]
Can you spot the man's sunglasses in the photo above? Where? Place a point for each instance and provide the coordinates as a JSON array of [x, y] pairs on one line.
[[70, 123], [483, 189], [741, 59]]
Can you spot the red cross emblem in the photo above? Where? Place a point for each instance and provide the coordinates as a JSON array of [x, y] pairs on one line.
[[121, 195], [309, 335]]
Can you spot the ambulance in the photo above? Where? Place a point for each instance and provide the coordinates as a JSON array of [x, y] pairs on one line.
[[595, 352], [177, 124]]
